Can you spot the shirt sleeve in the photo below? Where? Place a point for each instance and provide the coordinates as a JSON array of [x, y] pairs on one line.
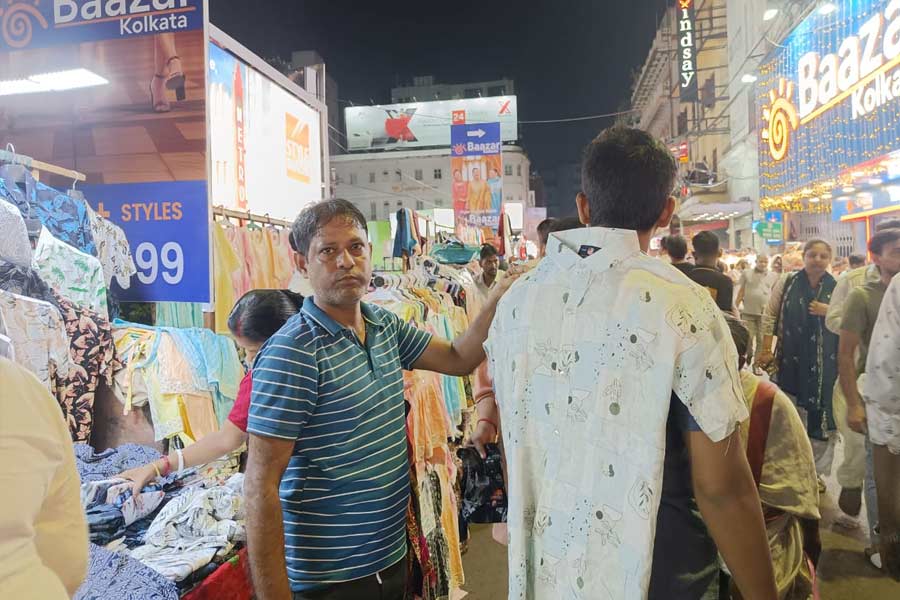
[[774, 306], [411, 342], [834, 317], [883, 360], [285, 389], [241, 409], [854, 318], [706, 373]]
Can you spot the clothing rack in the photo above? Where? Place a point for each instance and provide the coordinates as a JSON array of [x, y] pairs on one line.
[[9, 156], [228, 213]]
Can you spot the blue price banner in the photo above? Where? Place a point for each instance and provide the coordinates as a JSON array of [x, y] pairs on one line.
[[167, 226]]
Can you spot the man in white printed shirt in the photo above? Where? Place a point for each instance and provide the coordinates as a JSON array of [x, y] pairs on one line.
[[612, 405]]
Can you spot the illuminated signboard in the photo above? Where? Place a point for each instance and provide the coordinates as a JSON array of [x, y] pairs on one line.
[[687, 49], [830, 105]]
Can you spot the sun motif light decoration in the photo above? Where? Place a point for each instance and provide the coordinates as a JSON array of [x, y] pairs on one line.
[[781, 116]]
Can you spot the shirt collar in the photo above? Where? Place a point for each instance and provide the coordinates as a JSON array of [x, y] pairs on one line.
[[612, 247], [321, 318]]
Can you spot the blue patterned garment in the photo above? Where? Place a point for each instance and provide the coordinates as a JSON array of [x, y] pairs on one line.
[[117, 577], [66, 218], [95, 466]]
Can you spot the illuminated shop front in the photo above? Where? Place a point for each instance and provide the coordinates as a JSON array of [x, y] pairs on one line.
[[829, 110]]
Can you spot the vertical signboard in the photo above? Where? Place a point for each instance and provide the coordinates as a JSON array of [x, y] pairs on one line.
[[687, 50], [476, 165], [117, 91]]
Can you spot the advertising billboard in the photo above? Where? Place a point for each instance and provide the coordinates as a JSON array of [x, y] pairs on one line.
[[421, 124], [687, 50], [117, 91], [476, 165], [265, 143], [829, 102]]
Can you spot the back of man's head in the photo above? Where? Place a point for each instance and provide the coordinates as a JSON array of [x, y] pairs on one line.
[[543, 230], [888, 224], [565, 224], [856, 261], [677, 247], [627, 177], [706, 245]]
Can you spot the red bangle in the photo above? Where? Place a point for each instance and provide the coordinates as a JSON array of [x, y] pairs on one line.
[[492, 424], [167, 465]]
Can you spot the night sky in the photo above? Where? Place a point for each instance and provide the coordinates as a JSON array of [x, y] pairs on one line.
[[568, 57]]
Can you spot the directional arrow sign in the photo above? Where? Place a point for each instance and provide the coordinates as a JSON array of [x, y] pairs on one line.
[[479, 133], [475, 139]]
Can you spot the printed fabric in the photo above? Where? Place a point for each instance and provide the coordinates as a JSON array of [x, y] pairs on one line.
[[227, 264], [38, 335], [585, 399], [25, 282], [97, 466], [112, 250], [14, 244], [21, 195], [807, 350], [881, 388], [76, 275], [115, 576], [65, 217], [93, 356]]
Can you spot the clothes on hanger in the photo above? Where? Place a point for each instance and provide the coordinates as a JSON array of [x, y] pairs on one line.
[[113, 250], [14, 244], [73, 273]]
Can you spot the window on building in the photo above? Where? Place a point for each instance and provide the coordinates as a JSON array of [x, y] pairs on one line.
[[398, 175], [352, 178], [438, 174], [497, 90], [371, 177], [387, 209], [472, 92], [682, 122], [708, 92], [399, 204], [440, 201], [373, 213], [419, 175], [420, 205], [519, 170], [508, 170]]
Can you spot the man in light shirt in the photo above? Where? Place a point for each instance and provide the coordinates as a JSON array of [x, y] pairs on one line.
[[43, 533], [619, 395], [755, 287], [489, 261]]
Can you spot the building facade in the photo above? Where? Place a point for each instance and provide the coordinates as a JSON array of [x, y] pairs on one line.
[[425, 89], [380, 183], [310, 68]]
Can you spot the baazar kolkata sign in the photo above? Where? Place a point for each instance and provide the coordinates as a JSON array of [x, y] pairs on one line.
[[829, 98], [687, 51]]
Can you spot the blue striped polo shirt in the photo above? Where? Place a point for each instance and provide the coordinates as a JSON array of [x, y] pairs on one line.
[[345, 491]]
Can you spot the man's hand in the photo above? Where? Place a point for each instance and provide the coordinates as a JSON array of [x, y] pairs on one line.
[[504, 284], [820, 309], [856, 417], [764, 359]]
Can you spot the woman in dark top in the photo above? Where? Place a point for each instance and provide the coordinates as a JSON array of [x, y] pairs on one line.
[[805, 356]]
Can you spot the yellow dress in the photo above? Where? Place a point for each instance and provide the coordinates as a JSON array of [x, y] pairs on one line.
[[226, 262]]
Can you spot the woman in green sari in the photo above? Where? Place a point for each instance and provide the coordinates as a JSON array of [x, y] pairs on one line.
[[805, 357]]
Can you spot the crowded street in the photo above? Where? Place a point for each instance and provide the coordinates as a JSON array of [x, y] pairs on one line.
[[329, 300]]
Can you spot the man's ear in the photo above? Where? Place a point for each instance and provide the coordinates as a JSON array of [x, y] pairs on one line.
[[665, 217], [299, 263], [584, 209]]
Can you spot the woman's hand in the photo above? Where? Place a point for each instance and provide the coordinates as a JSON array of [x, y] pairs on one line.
[[764, 359], [820, 309], [141, 476]]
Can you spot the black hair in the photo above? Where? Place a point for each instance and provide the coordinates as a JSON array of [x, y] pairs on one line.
[[312, 218], [676, 246], [815, 242], [627, 176], [565, 224], [488, 251], [543, 230], [260, 313], [741, 336], [857, 260], [888, 224], [882, 239], [706, 244]]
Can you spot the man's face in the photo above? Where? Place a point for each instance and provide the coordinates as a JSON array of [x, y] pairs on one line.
[[762, 264], [339, 263], [889, 259], [476, 174], [490, 265]]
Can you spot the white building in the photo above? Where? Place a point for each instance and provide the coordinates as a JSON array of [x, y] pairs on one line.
[[424, 89], [380, 183]]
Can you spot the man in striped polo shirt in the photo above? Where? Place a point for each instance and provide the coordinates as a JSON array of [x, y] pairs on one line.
[[327, 481]]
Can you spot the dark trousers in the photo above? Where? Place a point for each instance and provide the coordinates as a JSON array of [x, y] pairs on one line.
[[389, 584]]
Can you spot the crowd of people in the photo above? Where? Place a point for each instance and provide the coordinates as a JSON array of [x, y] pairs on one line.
[[663, 433]]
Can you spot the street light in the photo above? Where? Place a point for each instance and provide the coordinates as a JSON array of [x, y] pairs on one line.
[[827, 8], [748, 78], [770, 14]]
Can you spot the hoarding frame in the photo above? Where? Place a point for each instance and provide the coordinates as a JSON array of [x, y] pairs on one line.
[[228, 43]]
